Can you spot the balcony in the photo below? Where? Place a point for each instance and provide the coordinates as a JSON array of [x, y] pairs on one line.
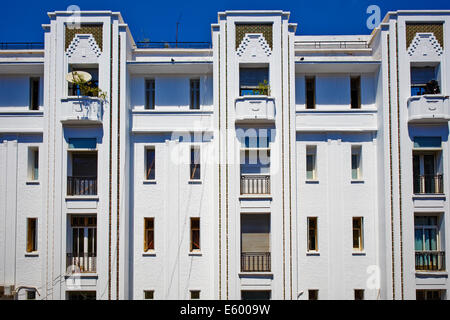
[[255, 109], [428, 184], [428, 108], [255, 184], [430, 261], [82, 110], [81, 186], [255, 262], [82, 262]]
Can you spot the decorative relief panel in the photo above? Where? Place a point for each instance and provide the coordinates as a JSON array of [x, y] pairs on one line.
[[425, 45], [412, 29], [264, 29], [83, 46], [254, 46], [95, 29]]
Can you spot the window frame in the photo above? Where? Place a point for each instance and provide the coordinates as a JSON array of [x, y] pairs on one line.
[[356, 150], [35, 93], [149, 234], [194, 94], [312, 81], [150, 175], [360, 236], [32, 236], [195, 163], [355, 80], [150, 94], [192, 247], [316, 234], [311, 151]]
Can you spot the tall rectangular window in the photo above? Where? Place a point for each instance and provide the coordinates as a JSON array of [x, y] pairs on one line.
[[254, 81], [310, 92], [311, 172], [355, 84], [149, 234], [430, 294], [358, 244], [83, 255], [359, 294], [313, 244], [32, 235], [356, 163], [195, 163], [150, 159], [34, 93], [313, 294], [429, 253], [33, 163], [150, 94], [195, 234], [195, 94]]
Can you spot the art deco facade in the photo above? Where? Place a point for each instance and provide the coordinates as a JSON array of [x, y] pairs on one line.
[[264, 165]]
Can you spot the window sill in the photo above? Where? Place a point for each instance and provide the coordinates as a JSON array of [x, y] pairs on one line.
[[315, 181], [149, 182], [255, 196], [32, 254], [359, 253], [195, 254], [195, 182], [431, 273], [313, 253], [149, 254], [88, 198], [356, 181], [31, 183], [256, 274], [85, 275]]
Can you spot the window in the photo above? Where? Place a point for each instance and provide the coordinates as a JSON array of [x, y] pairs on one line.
[[34, 93], [195, 94], [83, 233], [359, 294], [255, 162], [149, 295], [356, 163], [150, 163], [150, 94], [428, 252], [195, 234], [195, 294], [32, 235], [31, 295], [424, 80], [427, 171], [313, 244], [195, 163], [82, 174], [149, 234], [81, 295], [313, 294], [33, 163], [256, 295], [311, 172], [255, 242], [358, 244], [310, 92], [254, 81], [77, 90], [430, 294], [355, 84]]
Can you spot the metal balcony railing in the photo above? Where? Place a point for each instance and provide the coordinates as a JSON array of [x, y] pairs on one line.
[[255, 184], [21, 45], [255, 262], [81, 186], [82, 262], [428, 184], [430, 260], [331, 44], [172, 45]]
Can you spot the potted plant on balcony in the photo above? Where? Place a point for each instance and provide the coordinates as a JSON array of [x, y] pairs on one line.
[[262, 89], [432, 87], [86, 86]]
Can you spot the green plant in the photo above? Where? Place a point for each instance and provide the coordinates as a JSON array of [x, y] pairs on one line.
[[263, 89], [87, 88]]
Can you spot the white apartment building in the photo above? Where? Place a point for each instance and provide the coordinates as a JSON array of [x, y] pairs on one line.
[[264, 165]]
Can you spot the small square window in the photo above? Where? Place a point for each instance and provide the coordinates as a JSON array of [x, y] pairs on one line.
[[313, 294], [359, 294], [149, 295], [195, 294]]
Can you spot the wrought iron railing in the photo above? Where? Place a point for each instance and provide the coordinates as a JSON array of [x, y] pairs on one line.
[[255, 184], [331, 44], [428, 184], [430, 260], [81, 186], [255, 262], [21, 45], [82, 262], [173, 45]]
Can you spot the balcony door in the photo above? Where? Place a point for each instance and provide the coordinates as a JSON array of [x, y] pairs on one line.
[[255, 243], [83, 180], [427, 179], [429, 254], [83, 255]]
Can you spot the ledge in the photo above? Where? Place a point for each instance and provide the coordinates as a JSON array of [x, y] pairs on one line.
[[82, 198], [268, 274], [312, 181], [149, 254], [313, 253], [33, 183], [149, 182], [255, 196], [358, 253], [31, 254], [357, 181], [195, 254]]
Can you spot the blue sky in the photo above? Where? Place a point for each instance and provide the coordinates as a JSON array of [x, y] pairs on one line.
[[156, 20]]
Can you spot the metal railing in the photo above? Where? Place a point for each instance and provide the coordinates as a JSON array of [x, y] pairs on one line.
[[82, 262], [81, 186], [255, 184], [428, 184], [255, 262], [21, 45], [173, 45], [430, 260], [331, 44]]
